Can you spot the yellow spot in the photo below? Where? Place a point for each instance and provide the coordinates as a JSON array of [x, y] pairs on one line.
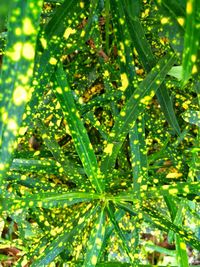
[[41, 217], [12, 125], [81, 220], [121, 21], [28, 27], [53, 61], [31, 203], [193, 58], [106, 73], [194, 69], [68, 31], [181, 21], [174, 175], [164, 20], [123, 114], [182, 245], [28, 51], [53, 232], [15, 53], [108, 149], [94, 260], [189, 7], [24, 262], [82, 4], [23, 177], [19, 96], [43, 42], [173, 191], [145, 100], [2, 166], [46, 223], [136, 96], [98, 241], [18, 31], [125, 82], [82, 33]]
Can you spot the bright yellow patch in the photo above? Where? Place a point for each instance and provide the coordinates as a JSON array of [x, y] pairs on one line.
[[19, 95], [125, 82], [53, 61], [68, 32], [108, 149], [18, 31], [43, 42], [173, 191], [164, 20], [15, 53], [181, 21], [174, 175], [145, 100], [28, 27], [182, 246], [123, 114], [82, 4], [12, 125], [194, 69], [106, 73], [189, 7], [28, 51], [193, 58], [94, 260]]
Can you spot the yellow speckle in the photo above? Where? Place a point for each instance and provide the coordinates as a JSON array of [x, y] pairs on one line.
[[182, 245], [98, 241], [41, 218], [18, 31], [28, 27], [53, 232], [189, 7], [43, 42], [164, 20], [2, 166], [123, 114], [125, 82], [81, 220], [174, 175], [68, 31], [136, 96], [53, 61], [173, 191], [108, 149], [31, 203], [15, 53], [181, 21], [23, 177], [82, 4], [193, 58], [186, 189], [106, 73], [121, 21], [194, 69], [19, 96], [28, 51], [12, 124], [82, 33], [94, 260], [145, 100]]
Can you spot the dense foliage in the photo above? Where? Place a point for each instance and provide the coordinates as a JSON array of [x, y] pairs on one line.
[[99, 141]]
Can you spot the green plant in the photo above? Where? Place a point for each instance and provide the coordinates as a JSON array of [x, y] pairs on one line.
[[94, 85]]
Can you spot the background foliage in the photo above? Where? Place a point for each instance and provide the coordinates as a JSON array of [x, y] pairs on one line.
[[99, 141]]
